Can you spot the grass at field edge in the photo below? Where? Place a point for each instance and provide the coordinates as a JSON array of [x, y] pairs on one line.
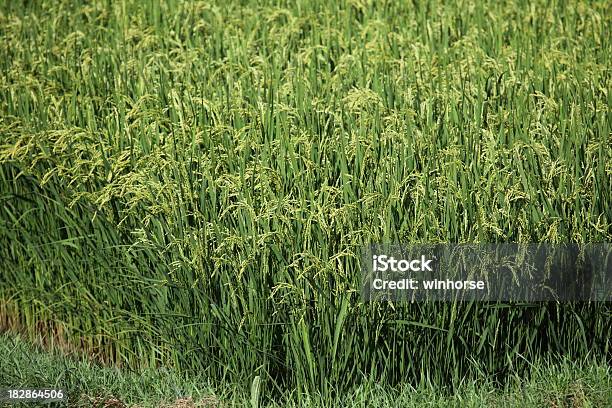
[[24, 365]]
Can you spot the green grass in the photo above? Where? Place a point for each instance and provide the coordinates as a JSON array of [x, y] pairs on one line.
[[565, 384], [190, 184], [84, 382]]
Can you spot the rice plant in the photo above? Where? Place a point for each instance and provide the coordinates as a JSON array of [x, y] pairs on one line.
[[189, 184]]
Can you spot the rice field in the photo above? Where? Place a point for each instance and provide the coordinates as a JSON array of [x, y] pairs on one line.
[[189, 184]]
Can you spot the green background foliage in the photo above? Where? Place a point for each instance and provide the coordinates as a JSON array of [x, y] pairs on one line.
[[190, 184]]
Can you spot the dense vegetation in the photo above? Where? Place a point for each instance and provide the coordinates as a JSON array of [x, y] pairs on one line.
[[190, 184], [563, 384]]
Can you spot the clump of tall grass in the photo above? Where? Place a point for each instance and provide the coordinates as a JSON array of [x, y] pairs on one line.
[[190, 184]]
